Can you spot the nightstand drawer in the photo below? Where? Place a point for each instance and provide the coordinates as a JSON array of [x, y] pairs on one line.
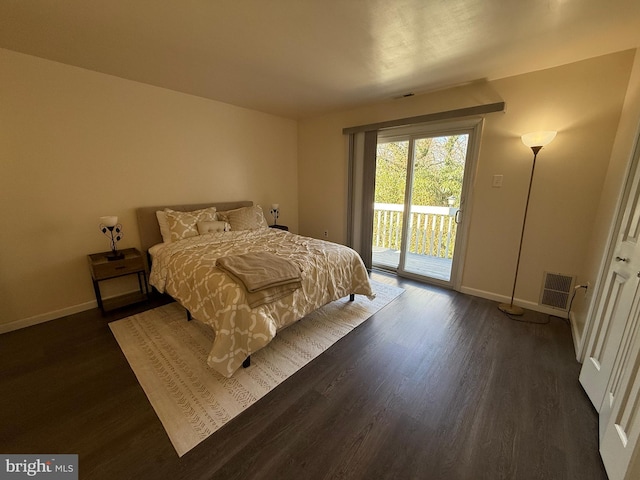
[[117, 268], [102, 268]]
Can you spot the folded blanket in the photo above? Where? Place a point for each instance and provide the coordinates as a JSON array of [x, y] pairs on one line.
[[265, 276]]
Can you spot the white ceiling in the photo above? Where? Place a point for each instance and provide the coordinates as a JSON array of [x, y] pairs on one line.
[[299, 58]]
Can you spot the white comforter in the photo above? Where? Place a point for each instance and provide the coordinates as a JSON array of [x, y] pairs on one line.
[[186, 270]]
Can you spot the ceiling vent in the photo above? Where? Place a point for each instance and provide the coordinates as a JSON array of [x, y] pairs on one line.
[[556, 290]]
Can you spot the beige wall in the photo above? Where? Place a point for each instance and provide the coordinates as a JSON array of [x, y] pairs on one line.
[[582, 101], [76, 145]]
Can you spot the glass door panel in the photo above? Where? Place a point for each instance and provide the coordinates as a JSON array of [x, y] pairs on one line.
[[391, 180], [437, 173]]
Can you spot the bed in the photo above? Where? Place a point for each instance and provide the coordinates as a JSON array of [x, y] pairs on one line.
[[193, 262]]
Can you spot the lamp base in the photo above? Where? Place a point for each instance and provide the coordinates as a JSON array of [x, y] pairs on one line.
[[113, 256], [510, 309]]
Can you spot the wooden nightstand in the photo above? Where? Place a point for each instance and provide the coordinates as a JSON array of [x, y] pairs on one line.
[[103, 269], [280, 227]]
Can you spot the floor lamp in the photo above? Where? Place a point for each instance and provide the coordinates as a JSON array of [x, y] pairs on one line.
[[536, 141]]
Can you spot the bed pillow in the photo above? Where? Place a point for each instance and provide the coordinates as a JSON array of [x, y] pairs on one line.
[[185, 224], [212, 227], [245, 218], [164, 226]]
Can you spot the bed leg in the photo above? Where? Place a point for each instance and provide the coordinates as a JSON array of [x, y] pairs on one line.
[[352, 297], [247, 362], [189, 317]]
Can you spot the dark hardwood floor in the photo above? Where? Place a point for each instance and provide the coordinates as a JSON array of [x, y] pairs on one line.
[[437, 385]]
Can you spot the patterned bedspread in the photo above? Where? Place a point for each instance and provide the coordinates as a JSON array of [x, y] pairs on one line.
[[186, 270]]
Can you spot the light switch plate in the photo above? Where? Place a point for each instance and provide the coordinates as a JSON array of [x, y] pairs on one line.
[[497, 181]]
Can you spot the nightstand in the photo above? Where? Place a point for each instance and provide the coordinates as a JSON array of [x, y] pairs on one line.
[[104, 269], [280, 227]]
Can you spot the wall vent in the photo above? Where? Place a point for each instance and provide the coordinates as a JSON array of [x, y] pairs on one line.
[[556, 290]]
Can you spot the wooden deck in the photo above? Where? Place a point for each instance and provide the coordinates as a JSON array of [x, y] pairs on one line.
[[425, 265]]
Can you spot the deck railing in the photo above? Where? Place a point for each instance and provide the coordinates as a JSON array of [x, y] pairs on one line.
[[432, 230]]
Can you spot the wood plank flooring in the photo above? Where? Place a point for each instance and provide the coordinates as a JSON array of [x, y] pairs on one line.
[[437, 385]]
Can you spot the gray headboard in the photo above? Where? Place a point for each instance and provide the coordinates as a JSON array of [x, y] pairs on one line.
[[148, 223]]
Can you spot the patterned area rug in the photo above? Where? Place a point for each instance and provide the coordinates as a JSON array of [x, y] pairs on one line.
[[168, 356]]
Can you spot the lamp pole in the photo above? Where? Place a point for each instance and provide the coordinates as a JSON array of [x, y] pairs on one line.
[[535, 141], [510, 308]]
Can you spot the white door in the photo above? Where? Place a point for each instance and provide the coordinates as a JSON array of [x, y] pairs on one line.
[[619, 441], [621, 296], [614, 307], [609, 373]]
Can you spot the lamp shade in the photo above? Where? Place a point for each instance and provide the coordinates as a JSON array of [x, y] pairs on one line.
[[109, 221], [538, 139]]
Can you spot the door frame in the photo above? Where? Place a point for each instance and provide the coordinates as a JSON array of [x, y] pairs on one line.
[[473, 127]]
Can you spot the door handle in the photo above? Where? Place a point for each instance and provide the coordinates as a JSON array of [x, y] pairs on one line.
[[457, 217], [622, 259]]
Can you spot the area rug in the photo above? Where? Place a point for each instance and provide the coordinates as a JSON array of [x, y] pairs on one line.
[[168, 356]]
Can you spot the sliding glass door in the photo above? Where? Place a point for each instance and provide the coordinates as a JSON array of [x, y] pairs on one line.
[[420, 190]]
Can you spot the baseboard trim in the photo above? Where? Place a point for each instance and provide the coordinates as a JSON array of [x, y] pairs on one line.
[[575, 335], [46, 317], [522, 303]]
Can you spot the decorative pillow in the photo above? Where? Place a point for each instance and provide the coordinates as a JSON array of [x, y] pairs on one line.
[[212, 227], [164, 226], [185, 224], [245, 218]]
